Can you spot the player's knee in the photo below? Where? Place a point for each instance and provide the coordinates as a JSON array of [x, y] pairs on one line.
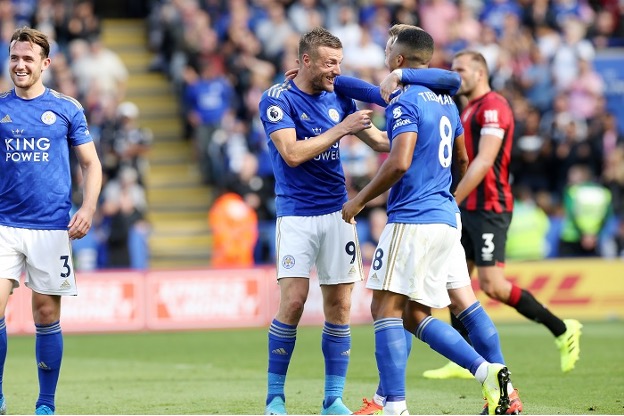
[[292, 308]]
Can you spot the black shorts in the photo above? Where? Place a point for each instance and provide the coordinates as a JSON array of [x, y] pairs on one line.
[[484, 235]]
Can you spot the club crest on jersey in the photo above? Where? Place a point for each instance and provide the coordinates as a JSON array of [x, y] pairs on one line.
[[396, 112], [333, 114], [288, 262], [274, 113], [48, 118]]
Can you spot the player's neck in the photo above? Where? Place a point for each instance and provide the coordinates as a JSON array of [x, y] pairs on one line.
[[479, 92], [31, 92], [305, 85]]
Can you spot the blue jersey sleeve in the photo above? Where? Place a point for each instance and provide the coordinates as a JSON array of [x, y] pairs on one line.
[[358, 90], [438, 80]]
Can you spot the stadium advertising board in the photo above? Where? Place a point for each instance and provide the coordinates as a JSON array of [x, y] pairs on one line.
[[235, 298]]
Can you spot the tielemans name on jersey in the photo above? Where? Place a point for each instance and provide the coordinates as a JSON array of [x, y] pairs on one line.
[[442, 99], [22, 149]]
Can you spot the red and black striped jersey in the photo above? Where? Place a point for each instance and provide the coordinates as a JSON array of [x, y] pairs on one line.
[[490, 114]]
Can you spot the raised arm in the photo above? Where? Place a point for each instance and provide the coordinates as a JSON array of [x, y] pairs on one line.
[[358, 90], [438, 80]]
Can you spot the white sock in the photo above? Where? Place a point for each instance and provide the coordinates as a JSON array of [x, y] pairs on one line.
[[482, 372], [380, 400], [395, 408]]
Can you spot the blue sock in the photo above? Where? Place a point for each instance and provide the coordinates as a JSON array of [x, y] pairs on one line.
[[336, 346], [3, 351], [391, 355], [409, 338], [482, 333], [444, 339], [49, 354], [282, 339]]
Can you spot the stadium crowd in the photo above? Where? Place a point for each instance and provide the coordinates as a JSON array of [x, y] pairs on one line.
[[540, 52], [222, 55]]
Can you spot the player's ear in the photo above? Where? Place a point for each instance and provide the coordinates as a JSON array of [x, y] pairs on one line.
[[45, 63]]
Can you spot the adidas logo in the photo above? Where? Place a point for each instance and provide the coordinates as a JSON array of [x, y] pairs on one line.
[[279, 351], [42, 366], [65, 284], [346, 353], [6, 119], [304, 116], [352, 271], [374, 277]]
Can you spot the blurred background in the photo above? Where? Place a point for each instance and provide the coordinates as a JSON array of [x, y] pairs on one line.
[[171, 90]]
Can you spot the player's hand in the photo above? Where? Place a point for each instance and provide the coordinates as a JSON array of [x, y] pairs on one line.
[[358, 121], [350, 209], [291, 73], [80, 224], [389, 84]]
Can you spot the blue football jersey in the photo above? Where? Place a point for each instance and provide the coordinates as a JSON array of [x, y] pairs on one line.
[[35, 177], [315, 187], [422, 195]]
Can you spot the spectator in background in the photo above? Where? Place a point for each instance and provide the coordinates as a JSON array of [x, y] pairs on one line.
[[365, 58], [537, 81], [124, 207], [526, 237], [585, 92], [129, 143], [587, 207], [100, 66], [274, 31], [234, 226], [208, 101], [572, 48], [257, 192], [83, 23]]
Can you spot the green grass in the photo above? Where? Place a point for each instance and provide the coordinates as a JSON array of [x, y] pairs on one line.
[[224, 372]]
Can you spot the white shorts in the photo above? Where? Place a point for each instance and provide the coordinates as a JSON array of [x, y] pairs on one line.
[[324, 241], [420, 261], [45, 256]]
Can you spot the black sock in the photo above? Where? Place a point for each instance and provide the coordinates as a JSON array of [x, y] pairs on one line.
[[529, 307]]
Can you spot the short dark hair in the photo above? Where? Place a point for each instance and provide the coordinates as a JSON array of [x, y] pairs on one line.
[[474, 56], [28, 34], [314, 39], [417, 43]]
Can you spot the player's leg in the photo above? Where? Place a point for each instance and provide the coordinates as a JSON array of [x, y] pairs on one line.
[[296, 255], [50, 275], [489, 236], [376, 404], [6, 286], [282, 338], [11, 269], [339, 265], [48, 348], [442, 338], [390, 348], [483, 335], [336, 345]]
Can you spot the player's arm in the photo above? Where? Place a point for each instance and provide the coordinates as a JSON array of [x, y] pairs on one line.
[[295, 152], [392, 169], [375, 139], [91, 168], [439, 80], [358, 90], [460, 161], [489, 146]]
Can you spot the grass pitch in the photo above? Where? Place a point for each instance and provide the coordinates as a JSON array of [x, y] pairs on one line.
[[224, 372]]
